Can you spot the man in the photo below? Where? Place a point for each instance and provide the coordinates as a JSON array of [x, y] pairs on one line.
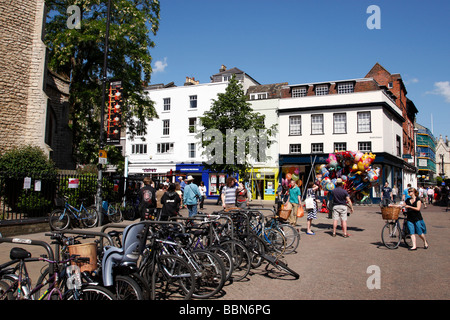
[[386, 194], [147, 197], [295, 200], [406, 193], [191, 195], [340, 201], [170, 203]]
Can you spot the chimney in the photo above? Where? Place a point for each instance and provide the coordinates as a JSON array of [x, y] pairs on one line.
[[223, 68], [191, 81]]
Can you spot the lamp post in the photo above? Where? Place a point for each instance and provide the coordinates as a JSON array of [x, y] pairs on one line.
[[102, 116]]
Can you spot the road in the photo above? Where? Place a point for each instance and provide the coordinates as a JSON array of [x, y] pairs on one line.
[[333, 268]]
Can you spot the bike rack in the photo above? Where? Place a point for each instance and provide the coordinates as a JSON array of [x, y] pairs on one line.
[[31, 242]]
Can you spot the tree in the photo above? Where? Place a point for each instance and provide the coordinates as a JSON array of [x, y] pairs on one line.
[[231, 129], [78, 53]]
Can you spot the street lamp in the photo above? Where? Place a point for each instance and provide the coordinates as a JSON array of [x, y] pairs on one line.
[[102, 116]]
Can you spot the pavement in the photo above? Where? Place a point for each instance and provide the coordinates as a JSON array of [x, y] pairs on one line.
[[330, 268]]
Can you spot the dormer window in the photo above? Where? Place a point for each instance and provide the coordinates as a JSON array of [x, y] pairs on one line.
[[258, 96], [321, 89], [299, 92], [345, 87]]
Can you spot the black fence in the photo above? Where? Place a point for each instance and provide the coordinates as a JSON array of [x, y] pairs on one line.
[[34, 195]]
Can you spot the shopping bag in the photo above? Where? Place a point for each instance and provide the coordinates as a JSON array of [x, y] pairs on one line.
[[300, 211], [285, 211], [309, 203]]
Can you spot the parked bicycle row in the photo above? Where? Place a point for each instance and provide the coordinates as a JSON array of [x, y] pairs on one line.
[[183, 258]]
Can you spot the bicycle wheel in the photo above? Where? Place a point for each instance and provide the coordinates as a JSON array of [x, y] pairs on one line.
[[59, 220], [242, 261], [126, 288], [226, 259], [391, 235], [292, 237], [275, 239], [172, 279], [91, 292], [257, 248], [210, 272], [89, 217], [114, 213], [5, 291], [280, 265]]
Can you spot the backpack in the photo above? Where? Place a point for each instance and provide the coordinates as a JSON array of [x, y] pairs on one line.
[[147, 197]]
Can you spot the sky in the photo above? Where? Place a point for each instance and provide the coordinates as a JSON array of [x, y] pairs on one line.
[[298, 41]]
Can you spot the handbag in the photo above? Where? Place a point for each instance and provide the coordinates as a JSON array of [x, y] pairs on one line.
[[309, 203], [300, 211], [285, 211]]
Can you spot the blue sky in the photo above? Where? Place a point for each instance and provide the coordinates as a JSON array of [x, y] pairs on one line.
[[298, 41]]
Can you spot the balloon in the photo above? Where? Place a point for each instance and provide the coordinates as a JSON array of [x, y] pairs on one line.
[[295, 177]]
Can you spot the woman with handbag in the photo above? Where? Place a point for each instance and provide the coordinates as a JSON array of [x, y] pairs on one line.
[[311, 206]]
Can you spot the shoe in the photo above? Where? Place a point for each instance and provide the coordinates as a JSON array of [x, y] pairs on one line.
[[310, 233], [411, 249], [333, 235], [346, 235], [425, 247]]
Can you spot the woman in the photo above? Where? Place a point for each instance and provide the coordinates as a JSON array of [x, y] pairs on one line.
[[312, 213], [414, 219], [241, 196], [202, 189], [229, 193]]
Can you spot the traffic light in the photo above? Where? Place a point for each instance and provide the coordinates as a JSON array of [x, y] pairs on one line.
[[114, 112]]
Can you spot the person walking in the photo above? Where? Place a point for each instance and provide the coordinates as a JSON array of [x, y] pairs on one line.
[[191, 196], [241, 196], [159, 194], [171, 202], [202, 189], [296, 201], [405, 194], [414, 219], [340, 200], [312, 213], [430, 193], [147, 198], [229, 193], [394, 193], [386, 195]]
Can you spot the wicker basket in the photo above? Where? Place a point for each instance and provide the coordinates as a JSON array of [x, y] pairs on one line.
[[85, 250], [390, 213]]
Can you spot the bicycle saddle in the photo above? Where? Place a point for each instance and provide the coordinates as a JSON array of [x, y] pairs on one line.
[[133, 241], [19, 253]]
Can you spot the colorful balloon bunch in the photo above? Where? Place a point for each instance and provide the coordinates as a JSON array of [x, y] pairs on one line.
[[354, 168]]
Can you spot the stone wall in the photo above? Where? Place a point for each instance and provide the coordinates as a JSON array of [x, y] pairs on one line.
[[23, 102]]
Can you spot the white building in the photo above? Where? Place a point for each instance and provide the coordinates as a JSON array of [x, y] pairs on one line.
[[170, 147], [316, 119]]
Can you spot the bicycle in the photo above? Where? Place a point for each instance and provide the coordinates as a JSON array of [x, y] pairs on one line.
[[112, 211], [62, 284], [393, 233], [60, 219]]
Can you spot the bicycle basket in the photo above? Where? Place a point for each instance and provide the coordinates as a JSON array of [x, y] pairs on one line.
[[390, 213], [59, 202], [85, 250]]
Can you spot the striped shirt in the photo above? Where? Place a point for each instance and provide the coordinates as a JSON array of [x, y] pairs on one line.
[[230, 194]]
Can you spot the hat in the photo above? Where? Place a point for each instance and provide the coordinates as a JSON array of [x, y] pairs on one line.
[[189, 178], [338, 180]]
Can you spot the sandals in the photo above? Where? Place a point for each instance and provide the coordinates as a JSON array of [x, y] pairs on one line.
[[310, 233]]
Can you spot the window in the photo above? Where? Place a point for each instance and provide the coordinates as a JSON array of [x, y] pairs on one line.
[[340, 146], [138, 148], [295, 148], [364, 122], [226, 77], [164, 147], [317, 124], [398, 146], [191, 150], [321, 90], [258, 96], [345, 87], [140, 128], [166, 127], [193, 102], [390, 85], [295, 125], [192, 125], [316, 147], [166, 104], [299, 92], [365, 146], [340, 123]]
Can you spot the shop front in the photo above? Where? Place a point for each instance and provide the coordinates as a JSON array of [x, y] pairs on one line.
[[264, 183]]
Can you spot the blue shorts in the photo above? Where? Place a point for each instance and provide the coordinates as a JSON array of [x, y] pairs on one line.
[[417, 227]]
